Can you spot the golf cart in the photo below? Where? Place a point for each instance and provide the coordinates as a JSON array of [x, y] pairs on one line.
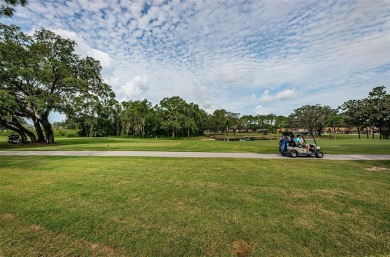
[[288, 147], [14, 139]]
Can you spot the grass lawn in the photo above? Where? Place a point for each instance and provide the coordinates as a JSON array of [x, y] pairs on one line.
[[116, 206], [347, 145]]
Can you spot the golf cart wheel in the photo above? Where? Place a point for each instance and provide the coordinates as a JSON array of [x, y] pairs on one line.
[[319, 154], [293, 154]]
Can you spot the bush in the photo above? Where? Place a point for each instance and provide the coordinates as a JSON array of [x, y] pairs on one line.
[[66, 133], [6, 132]]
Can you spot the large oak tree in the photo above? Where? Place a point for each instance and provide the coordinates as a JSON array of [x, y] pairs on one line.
[[41, 74], [310, 117]]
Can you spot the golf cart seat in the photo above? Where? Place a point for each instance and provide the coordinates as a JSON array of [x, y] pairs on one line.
[[292, 144]]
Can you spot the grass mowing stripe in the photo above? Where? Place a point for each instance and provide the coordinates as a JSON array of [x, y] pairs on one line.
[[207, 207]]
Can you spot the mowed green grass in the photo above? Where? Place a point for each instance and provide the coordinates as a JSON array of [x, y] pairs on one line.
[[117, 206], [138, 144], [348, 145]]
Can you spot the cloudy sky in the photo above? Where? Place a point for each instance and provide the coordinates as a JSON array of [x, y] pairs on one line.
[[245, 56]]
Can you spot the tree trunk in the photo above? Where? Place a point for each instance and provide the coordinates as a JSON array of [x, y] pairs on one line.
[[85, 129], [49, 134], [143, 128], [387, 132], [358, 132], [38, 129], [227, 133], [17, 130], [48, 129], [373, 133], [24, 137], [31, 135], [22, 131]]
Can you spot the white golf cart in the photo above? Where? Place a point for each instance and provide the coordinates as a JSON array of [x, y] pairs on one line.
[[288, 147]]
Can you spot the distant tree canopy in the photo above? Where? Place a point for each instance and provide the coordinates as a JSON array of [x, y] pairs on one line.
[[137, 117], [7, 6], [172, 117], [175, 117], [40, 74], [373, 111], [311, 117]]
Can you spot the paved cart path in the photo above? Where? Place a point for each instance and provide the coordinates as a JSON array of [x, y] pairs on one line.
[[192, 155]]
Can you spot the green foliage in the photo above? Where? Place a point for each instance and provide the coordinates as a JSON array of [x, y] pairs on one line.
[[262, 123], [373, 111], [171, 114], [378, 105], [136, 118], [219, 119], [334, 120], [66, 133], [5, 132], [42, 73], [7, 6], [310, 117], [280, 122], [176, 117], [196, 120], [247, 122]]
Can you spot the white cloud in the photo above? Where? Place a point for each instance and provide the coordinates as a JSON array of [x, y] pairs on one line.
[[286, 94], [260, 110], [136, 87], [265, 97], [84, 49], [202, 97], [283, 95], [232, 49]]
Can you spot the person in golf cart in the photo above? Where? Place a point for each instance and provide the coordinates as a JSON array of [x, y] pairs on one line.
[[290, 147], [300, 142]]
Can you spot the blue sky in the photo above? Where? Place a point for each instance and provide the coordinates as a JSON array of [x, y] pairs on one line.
[[249, 57]]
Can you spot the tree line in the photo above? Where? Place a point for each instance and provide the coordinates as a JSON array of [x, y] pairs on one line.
[[41, 74], [371, 113], [172, 117]]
